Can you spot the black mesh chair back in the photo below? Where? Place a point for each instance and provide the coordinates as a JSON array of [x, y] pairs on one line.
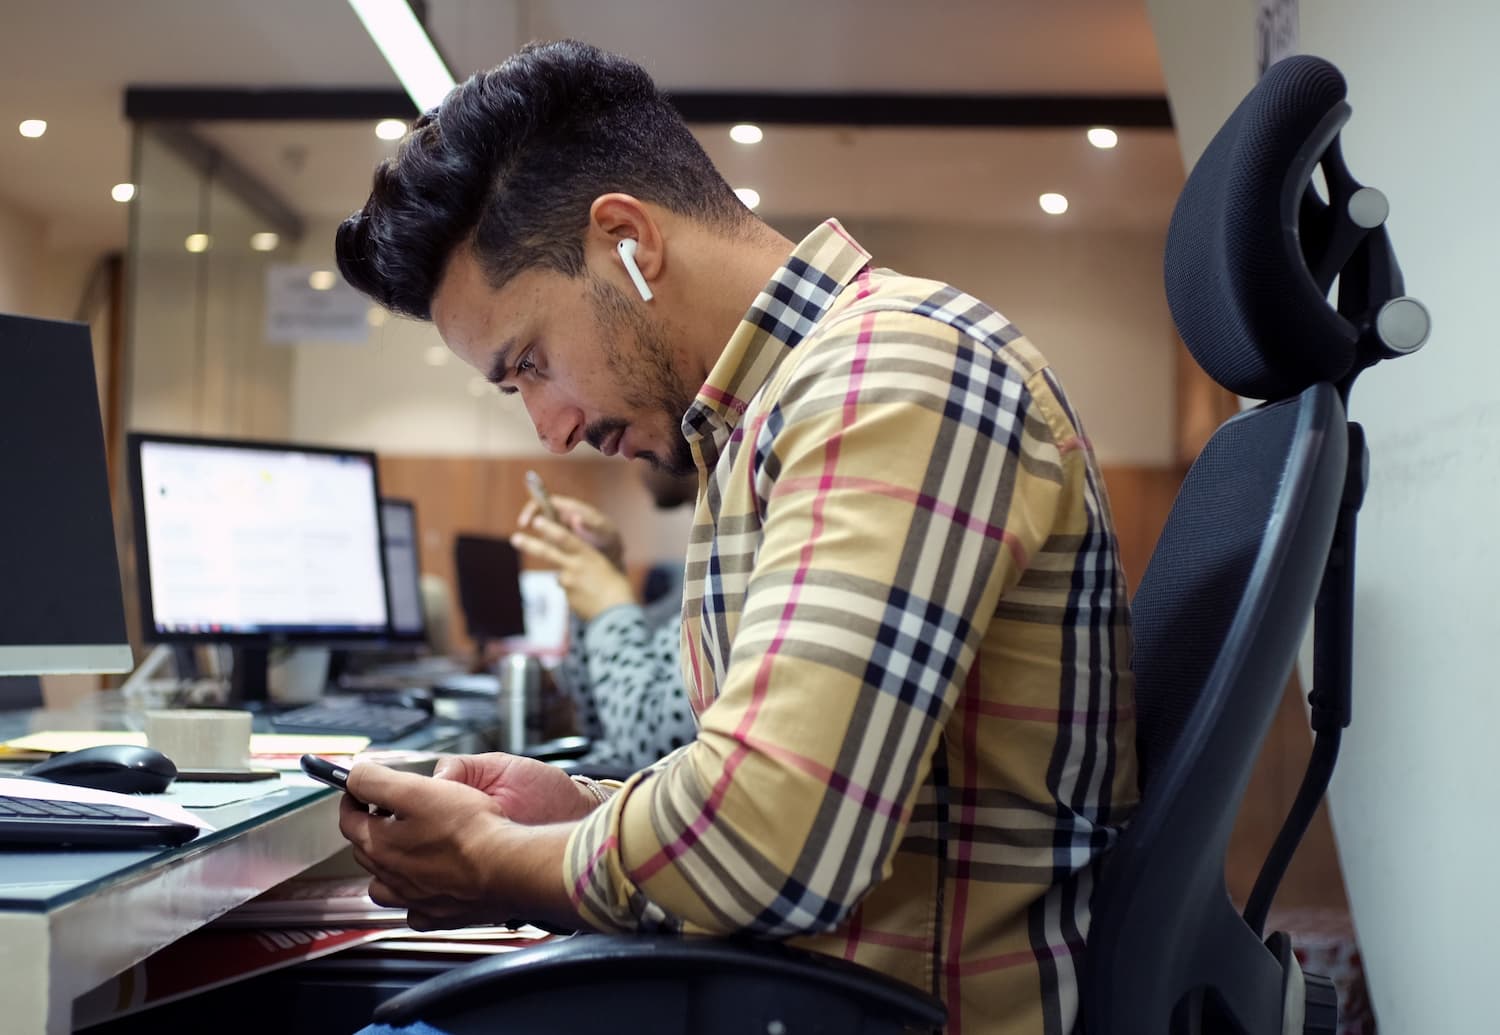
[[1218, 620]]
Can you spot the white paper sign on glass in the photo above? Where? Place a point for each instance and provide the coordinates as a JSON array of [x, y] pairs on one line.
[[310, 305]]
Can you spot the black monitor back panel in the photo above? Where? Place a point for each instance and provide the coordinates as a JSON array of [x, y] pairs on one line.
[[489, 586], [59, 571]]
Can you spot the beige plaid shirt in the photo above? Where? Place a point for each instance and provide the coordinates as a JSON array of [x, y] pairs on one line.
[[906, 636]]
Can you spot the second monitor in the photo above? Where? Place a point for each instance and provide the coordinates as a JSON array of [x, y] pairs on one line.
[[253, 544]]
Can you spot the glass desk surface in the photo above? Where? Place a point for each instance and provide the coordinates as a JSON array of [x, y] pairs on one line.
[[45, 879]]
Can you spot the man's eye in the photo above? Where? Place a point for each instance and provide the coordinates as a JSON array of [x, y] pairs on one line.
[[524, 364]]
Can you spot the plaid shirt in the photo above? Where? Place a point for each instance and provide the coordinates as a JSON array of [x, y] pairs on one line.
[[906, 636]]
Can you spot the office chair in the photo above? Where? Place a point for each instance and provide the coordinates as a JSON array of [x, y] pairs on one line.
[[1260, 537]]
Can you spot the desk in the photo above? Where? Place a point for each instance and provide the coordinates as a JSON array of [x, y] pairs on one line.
[[70, 920]]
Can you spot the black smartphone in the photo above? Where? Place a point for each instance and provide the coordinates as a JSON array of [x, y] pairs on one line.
[[324, 771], [335, 776], [539, 494]]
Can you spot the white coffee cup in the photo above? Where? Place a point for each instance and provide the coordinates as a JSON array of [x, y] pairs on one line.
[[201, 738]]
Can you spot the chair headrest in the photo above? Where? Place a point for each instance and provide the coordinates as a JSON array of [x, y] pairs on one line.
[[1237, 274]]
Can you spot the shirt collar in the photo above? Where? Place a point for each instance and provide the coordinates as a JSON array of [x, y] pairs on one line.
[[791, 304]]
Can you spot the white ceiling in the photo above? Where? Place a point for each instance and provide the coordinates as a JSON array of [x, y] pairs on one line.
[[69, 61]]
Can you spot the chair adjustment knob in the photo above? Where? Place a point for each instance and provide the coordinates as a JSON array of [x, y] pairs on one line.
[[1403, 324], [1322, 1014]]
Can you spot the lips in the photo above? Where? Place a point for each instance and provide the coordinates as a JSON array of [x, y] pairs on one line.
[[611, 445]]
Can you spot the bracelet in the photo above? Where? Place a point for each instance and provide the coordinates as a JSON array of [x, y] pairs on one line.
[[593, 786]]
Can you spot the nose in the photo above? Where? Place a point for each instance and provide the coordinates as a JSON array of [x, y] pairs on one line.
[[558, 425]]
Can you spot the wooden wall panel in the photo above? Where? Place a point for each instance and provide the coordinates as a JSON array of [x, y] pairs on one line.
[[1140, 497], [483, 495]]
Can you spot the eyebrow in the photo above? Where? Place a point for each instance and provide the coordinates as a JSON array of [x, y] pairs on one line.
[[500, 365]]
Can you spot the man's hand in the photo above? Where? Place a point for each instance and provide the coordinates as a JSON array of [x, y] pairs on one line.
[[525, 790], [584, 521], [591, 580], [449, 855]]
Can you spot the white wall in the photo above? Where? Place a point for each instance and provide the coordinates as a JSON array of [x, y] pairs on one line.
[[1091, 301], [35, 278], [387, 396], [1412, 800], [20, 239]]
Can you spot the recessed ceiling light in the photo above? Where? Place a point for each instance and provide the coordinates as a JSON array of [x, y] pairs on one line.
[[375, 317], [390, 129], [749, 195], [265, 241], [33, 127], [197, 242], [436, 355], [1103, 138], [745, 133], [1053, 204], [122, 192], [321, 280]]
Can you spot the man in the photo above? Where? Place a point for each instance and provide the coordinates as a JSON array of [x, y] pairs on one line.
[[905, 629], [623, 671]]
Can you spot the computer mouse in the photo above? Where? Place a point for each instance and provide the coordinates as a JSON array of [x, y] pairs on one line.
[[125, 768]]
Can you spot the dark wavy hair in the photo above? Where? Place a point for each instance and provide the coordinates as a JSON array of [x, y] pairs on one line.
[[513, 158]]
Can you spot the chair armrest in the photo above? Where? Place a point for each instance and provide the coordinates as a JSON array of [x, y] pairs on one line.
[[622, 984]]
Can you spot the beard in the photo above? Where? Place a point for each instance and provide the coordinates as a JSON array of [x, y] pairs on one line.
[[646, 370]]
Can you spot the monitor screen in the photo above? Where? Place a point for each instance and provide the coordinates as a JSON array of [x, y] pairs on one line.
[[403, 568], [251, 541], [61, 606], [488, 572]]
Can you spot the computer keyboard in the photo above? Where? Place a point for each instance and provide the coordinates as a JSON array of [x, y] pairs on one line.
[[380, 722], [42, 822]]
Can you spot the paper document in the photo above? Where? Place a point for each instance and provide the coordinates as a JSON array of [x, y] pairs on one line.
[[154, 804]]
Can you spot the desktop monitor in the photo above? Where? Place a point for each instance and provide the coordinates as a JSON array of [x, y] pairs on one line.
[[403, 566], [256, 544], [488, 572], [61, 606]]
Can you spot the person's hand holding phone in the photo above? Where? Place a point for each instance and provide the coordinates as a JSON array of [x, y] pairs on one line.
[[592, 579], [527, 791], [586, 522], [448, 853]]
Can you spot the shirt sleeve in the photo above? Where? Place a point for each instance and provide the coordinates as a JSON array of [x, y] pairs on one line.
[[635, 682], [903, 483]]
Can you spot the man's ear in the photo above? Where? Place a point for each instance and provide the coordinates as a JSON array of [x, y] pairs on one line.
[[616, 217]]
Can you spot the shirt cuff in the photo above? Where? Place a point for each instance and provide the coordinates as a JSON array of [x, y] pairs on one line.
[[600, 889]]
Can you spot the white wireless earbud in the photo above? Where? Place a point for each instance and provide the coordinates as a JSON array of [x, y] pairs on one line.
[[627, 256]]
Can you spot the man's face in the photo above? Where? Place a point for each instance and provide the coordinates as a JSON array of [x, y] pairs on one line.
[[588, 363]]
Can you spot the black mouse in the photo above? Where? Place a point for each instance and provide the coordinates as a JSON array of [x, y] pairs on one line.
[[125, 768]]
